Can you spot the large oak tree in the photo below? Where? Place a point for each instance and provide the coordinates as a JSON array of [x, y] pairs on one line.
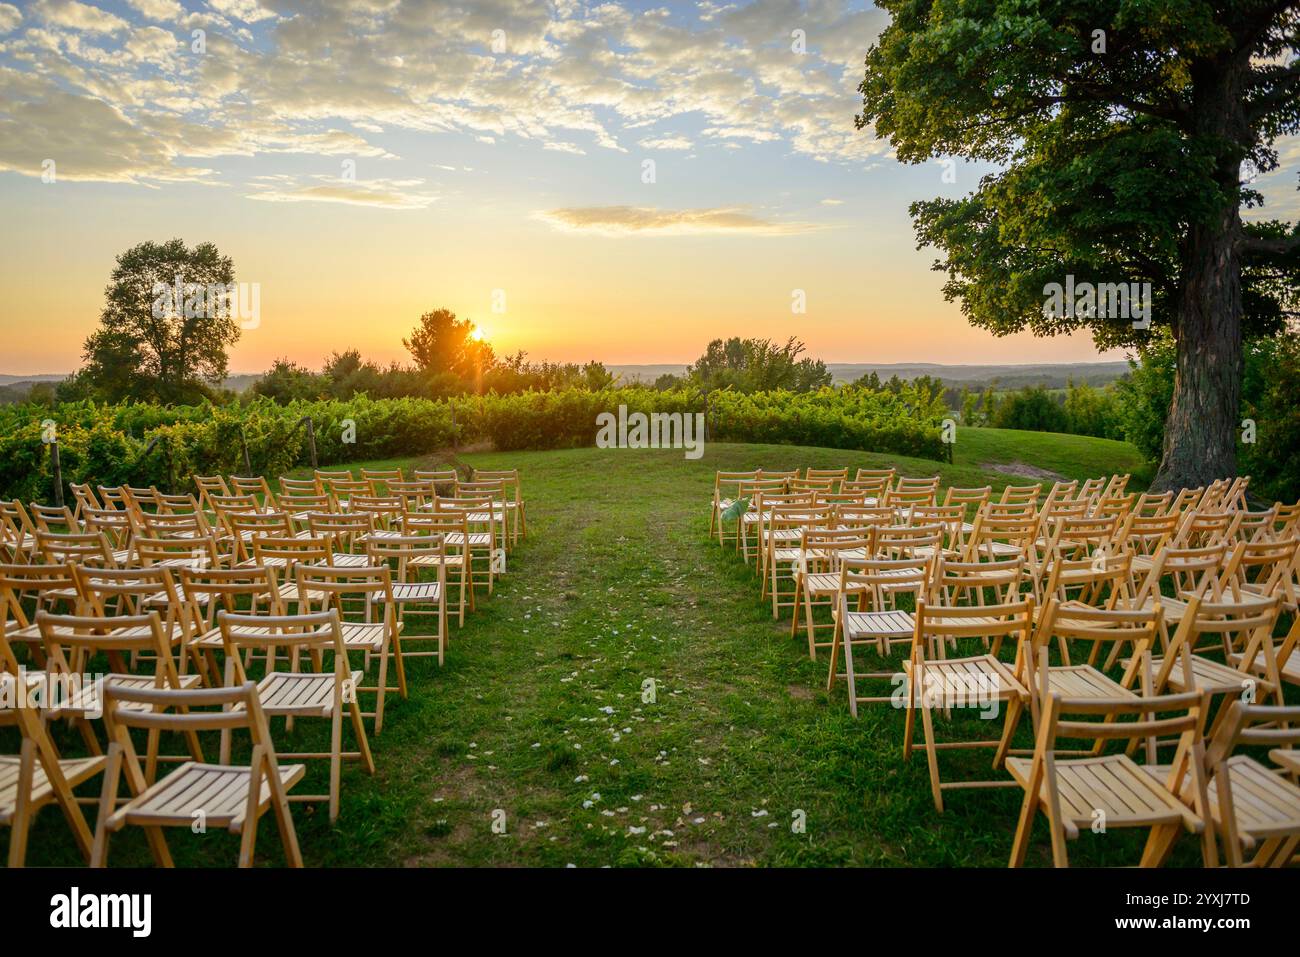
[[1126, 134]]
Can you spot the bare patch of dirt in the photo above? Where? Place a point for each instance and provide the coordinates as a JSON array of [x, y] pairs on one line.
[[801, 692], [1023, 470]]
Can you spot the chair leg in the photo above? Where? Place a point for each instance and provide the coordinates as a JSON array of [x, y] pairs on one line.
[[336, 760], [22, 817], [1159, 844], [932, 757]]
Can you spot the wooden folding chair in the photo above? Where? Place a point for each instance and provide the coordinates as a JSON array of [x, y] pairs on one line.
[[486, 556], [72, 641], [17, 533], [80, 548], [817, 575], [514, 498], [37, 775], [297, 694], [780, 537], [457, 540], [213, 795], [44, 587], [1255, 809], [412, 554], [866, 613], [1105, 791], [381, 479], [978, 681], [1252, 672], [372, 588], [53, 518]]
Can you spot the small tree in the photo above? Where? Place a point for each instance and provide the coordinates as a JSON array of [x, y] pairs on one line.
[[442, 343], [166, 325]]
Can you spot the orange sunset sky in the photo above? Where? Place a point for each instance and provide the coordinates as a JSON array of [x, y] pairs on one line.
[[495, 146]]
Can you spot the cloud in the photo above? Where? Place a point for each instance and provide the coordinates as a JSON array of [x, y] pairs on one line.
[[565, 148], [573, 76], [78, 16], [161, 10], [10, 17], [385, 193], [666, 143], [250, 11], [648, 220], [832, 202]]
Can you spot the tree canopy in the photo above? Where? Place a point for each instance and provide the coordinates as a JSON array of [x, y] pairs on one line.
[[167, 322], [1126, 138]]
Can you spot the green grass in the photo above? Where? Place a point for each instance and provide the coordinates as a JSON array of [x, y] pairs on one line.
[[539, 707]]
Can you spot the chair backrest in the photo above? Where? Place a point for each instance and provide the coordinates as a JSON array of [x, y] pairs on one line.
[[40, 582], [71, 640], [1101, 628], [819, 475], [1188, 570], [175, 523], [811, 485], [226, 587], [296, 503], [865, 516], [380, 480], [385, 509], [343, 490], [1015, 532], [126, 588], [937, 625], [188, 550], [292, 486], [1153, 503], [80, 548], [1255, 526], [347, 530], [84, 495], [970, 499], [325, 586], [404, 550], [311, 632], [870, 584], [1146, 534], [1203, 527], [886, 474], [442, 479], [874, 488], [961, 582], [907, 541], [209, 485], [254, 485], [1103, 580], [1021, 494], [1261, 566], [53, 518]]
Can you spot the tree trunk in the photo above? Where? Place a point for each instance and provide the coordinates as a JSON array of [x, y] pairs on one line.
[[1201, 428]]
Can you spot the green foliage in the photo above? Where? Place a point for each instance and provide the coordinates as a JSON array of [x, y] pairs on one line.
[[169, 316], [144, 444], [1032, 409], [757, 365]]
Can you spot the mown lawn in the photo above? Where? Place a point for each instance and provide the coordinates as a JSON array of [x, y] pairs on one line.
[[538, 717]]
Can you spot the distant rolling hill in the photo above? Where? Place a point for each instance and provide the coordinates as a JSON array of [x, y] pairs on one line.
[[1052, 375]]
